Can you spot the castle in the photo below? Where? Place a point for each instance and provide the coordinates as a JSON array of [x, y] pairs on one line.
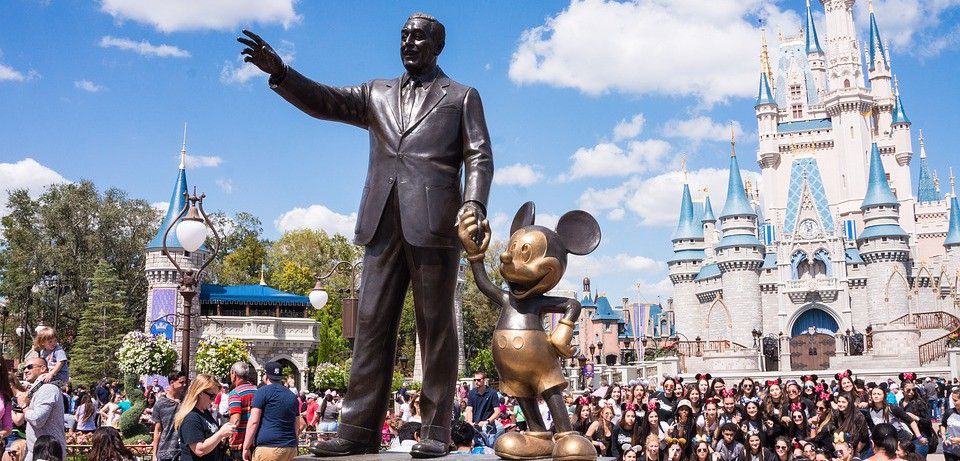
[[835, 257]]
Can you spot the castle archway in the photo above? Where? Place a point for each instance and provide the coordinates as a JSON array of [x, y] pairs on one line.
[[813, 341]]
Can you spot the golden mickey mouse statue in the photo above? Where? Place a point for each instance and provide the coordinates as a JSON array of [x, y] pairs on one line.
[[527, 360]]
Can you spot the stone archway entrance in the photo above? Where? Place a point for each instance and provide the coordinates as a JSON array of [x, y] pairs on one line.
[[813, 340], [290, 370]]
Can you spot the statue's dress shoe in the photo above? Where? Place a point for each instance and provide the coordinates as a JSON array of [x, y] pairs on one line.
[[340, 447], [530, 445], [429, 448], [571, 446]]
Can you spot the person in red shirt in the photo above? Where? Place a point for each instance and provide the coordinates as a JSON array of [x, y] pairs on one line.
[[311, 414], [240, 399]]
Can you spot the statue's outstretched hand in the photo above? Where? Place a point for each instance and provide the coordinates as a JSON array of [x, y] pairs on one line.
[[560, 340], [261, 54], [467, 228]]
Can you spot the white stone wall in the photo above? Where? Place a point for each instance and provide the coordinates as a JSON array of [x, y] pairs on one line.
[[687, 313], [742, 298], [887, 291]]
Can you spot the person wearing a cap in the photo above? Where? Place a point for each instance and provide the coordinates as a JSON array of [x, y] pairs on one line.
[[311, 412], [274, 420]]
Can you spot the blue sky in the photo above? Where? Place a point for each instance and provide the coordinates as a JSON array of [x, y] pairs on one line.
[[590, 104]]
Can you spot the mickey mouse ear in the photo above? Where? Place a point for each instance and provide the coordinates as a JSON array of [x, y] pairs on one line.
[[524, 217], [579, 232]]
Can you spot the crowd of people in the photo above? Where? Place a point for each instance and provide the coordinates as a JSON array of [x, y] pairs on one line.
[[841, 418], [246, 418]]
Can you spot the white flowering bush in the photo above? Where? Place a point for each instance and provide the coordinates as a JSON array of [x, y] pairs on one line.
[[216, 354], [331, 376], [145, 354]]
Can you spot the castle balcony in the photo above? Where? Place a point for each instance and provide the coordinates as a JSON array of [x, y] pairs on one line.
[[801, 291], [259, 330]]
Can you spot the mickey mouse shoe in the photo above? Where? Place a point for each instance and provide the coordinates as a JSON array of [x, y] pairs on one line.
[[532, 445], [571, 446]]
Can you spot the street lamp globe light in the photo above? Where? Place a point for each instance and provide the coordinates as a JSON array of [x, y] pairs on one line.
[[20, 330], [319, 296], [191, 230]]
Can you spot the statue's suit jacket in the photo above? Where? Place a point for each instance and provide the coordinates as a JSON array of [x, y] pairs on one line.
[[423, 161]]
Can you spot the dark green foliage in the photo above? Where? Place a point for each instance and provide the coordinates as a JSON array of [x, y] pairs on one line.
[[130, 420], [103, 322]]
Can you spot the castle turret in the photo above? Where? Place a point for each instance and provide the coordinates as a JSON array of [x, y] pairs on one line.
[[883, 245], [768, 153], [843, 61], [926, 185], [164, 304], [739, 257], [900, 125], [880, 87], [815, 55], [710, 234], [952, 242], [688, 255]]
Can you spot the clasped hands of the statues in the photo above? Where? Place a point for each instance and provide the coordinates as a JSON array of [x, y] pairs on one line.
[[472, 227]]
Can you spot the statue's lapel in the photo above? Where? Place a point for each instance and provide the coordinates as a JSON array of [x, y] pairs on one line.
[[393, 100], [435, 94]]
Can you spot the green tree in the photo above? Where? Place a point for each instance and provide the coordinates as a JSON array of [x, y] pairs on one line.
[[68, 229], [102, 325], [479, 313], [243, 250]]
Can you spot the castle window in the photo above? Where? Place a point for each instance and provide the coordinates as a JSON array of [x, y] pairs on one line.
[[846, 83], [797, 110], [795, 91]]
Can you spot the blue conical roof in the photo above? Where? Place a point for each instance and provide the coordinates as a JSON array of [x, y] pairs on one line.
[[899, 114], [813, 42], [737, 202], [605, 311], [177, 202], [927, 189], [708, 211], [878, 189], [764, 95], [687, 227], [953, 232], [876, 44]]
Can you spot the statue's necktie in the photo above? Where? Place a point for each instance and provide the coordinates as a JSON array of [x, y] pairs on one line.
[[410, 91]]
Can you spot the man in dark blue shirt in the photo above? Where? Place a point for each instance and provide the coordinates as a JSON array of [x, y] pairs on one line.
[[483, 407], [274, 420]]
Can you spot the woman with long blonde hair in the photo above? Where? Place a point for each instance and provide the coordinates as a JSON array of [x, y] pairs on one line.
[[199, 436]]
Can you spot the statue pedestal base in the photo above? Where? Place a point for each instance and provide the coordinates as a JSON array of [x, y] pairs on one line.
[[406, 456]]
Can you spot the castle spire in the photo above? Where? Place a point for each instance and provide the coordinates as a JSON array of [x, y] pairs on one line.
[[708, 210], [927, 184], [878, 189], [878, 54], [737, 202], [687, 227], [953, 232], [183, 149], [813, 42], [899, 113]]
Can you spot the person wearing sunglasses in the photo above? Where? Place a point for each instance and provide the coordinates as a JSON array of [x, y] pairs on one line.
[[200, 438], [782, 449], [701, 449], [42, 406]]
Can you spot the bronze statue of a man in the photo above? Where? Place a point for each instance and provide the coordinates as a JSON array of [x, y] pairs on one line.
[[424, 129]]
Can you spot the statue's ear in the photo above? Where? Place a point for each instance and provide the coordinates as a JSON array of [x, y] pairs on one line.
[[579, 232], [524, 217]]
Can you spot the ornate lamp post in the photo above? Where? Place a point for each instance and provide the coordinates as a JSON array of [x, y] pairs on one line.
[[699, 346], [582, 360], [350, 304], [192, 227], [402, 360], [756, 337], [51, 280]]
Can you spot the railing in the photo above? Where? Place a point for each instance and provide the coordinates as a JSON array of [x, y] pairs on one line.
[[937, 348], [929, 320], [827, 284], [698, 348], [814, 284]]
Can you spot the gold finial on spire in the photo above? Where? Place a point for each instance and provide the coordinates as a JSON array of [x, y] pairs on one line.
[[870, 5], [765, 58], [733, 141], [183, 149], [936, 182], [896, 86]]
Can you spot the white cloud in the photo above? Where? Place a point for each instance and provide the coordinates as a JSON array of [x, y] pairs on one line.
[[143, 47], [87, 85], [700, 128], [181, 15], [650, 291], [656, 200], [616, 214], [627, 129], [610, 160], [25, 174], [160, 206], [910, 26], [317, 217], [8, 73], [225, 185], [239, 72], [597, 200], [518, 174], [668, 47], [202, 161], [592, 265]]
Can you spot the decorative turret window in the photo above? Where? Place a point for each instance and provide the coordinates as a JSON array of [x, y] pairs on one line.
[[797, 110], [795, 92]]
